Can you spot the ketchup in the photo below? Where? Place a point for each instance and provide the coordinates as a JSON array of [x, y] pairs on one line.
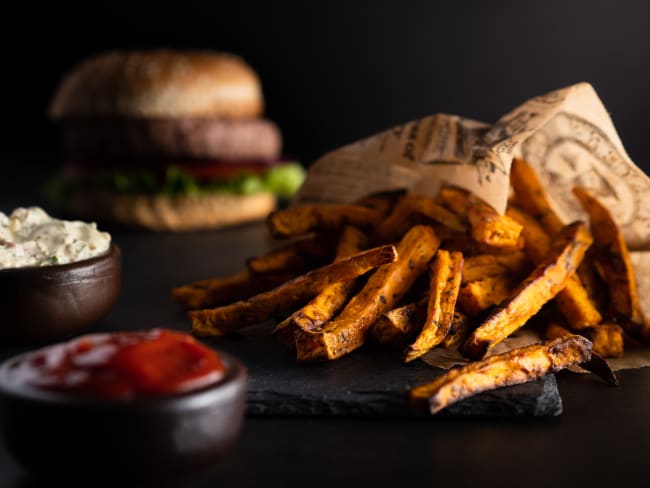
[[123, 365]]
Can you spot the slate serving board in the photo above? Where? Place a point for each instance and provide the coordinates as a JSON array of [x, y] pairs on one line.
[[368, 382]]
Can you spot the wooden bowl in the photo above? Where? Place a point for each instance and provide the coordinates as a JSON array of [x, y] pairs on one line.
[[44, 303], [66, 436]]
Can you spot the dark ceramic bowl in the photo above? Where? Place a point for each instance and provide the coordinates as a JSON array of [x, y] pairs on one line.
[[67, 436], [53, 302]]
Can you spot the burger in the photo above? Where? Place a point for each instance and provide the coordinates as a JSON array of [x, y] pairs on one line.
[[168, 140]]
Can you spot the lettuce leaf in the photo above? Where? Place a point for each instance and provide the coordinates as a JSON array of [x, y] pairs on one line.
[[282, 180]]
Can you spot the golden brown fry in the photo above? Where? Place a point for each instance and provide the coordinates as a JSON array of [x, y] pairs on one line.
[[613, 258], [275, 260], [397, 223], [382, 201], [531, 197], [427, 207], [297, 221], [476, 297], [219, 281], [489, 227], [443, 292], [461, 326], [593, 283], [596, 364], [511, 368], [555, 330], [181, 294], [443, 232], [219, 291], [405, 215], [574, 302], [384, 288], [469, 247], [329, 301], [513, 264], [537, 240], [576, 305], [218, 321], [298, 255], [454, 199], [398, 325], [607, 339], [544, 283]]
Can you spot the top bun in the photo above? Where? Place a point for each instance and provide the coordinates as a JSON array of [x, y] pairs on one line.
[[159, 84]]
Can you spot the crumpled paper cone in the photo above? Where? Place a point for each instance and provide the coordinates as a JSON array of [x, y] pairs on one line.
[[566, 135]]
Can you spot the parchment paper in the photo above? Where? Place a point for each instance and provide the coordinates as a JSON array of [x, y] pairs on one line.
[[566, 135]]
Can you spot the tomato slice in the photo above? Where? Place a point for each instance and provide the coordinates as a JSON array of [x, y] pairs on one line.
[[203, 169], [222, 171]]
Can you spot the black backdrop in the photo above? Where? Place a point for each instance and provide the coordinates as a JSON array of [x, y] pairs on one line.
[[334, 71]]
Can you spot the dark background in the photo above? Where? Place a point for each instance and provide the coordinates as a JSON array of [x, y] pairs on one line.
[[334, 72]]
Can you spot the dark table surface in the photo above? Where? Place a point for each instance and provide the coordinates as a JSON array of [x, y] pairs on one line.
[[601, 439]]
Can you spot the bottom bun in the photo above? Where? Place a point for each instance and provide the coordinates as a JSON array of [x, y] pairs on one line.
[[174, 213]]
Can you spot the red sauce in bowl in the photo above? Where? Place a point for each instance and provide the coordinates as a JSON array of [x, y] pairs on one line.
[[123, 365]]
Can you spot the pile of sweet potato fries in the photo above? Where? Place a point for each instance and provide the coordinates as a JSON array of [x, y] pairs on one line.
[[416, 272]]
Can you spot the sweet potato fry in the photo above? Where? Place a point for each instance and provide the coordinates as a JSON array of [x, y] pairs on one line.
[[469, 247], [382, 201], [427, 207], [218, 321], [297, 255], [193, 294], [515, 264], [219, 291], [511, 368], [613, 258], [576, 305], [398, 325], [531, 197], [329, 301], [574, 302], [489, 227], [443, 232], [544, 283], [555, 330], [461, 326], [537, 240], [592, 282], [607, 339], [297, 221], [395, 225], [596, 364], [454, 200], [405, 215], [384, 288], [476, 297], [277, 259], [443, 292]]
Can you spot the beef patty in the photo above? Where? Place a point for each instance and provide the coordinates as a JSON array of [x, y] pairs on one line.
[[207, 138]]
